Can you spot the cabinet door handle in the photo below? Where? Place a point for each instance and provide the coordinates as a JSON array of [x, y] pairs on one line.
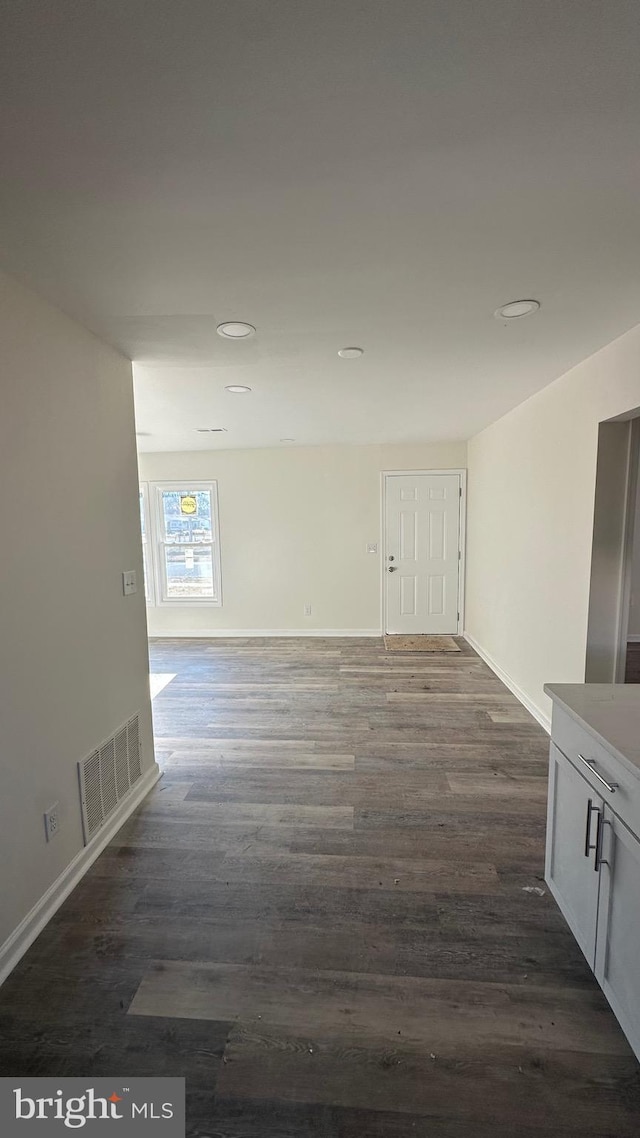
[[597, 861], [590, 763], [591, 809]]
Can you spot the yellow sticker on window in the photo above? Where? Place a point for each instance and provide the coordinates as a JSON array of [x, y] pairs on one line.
[[188, 504]]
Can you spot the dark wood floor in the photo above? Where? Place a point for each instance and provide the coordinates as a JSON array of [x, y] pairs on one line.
[[330, 916]]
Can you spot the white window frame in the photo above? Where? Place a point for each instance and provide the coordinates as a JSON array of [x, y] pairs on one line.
[[156, 490], [147, 546]]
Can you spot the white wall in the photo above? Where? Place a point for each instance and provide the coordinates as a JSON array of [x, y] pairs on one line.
[[73, 655], [294, 530], [531, 498]]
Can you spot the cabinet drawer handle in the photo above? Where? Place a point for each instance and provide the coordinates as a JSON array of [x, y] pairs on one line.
[[590, 763]]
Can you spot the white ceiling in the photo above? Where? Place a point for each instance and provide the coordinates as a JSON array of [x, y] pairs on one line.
[[375, 172]]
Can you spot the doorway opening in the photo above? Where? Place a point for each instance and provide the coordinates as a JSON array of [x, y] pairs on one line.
[[613, 634]]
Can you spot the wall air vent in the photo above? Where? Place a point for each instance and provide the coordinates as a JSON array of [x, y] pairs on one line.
[[210, 430], [107, 776]]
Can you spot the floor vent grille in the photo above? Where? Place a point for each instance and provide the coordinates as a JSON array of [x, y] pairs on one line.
[[107, 776]]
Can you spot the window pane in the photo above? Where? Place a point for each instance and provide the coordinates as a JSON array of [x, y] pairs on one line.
[[186, 516], [143, 523], [189, 570]]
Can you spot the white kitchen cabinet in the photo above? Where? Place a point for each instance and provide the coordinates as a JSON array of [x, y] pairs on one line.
[[617, 964], [573, 820], [593, 834]]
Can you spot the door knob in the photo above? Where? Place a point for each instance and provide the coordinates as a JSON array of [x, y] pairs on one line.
[[392, 568]]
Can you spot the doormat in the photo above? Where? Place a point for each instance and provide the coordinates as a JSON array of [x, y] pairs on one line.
[[420, 644]]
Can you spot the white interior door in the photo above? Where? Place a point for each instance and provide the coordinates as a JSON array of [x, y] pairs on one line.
[[422, 543]]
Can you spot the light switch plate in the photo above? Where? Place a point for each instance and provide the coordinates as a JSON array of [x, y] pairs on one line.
[[129, 584]]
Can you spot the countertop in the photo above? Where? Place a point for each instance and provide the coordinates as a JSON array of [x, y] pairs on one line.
[[610, 712]]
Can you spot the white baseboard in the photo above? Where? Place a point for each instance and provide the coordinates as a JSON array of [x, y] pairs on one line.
[[537, 712], [23, 937], [209, 633]]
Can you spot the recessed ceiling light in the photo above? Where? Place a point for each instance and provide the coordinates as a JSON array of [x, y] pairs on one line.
[[237, 388], [516, 308], [235, 330], [287, 440], [350, 353]]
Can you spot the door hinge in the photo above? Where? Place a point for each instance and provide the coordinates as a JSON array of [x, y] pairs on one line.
[[460, 491], [459, 554]]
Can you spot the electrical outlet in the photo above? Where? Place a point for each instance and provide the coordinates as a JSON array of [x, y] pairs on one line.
[[372, 547], [52, 821], [307, 610]]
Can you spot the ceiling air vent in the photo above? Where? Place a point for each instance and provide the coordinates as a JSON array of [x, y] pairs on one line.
[[107, 776]]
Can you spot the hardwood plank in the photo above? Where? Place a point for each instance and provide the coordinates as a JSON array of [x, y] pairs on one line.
[[496, 784], [398, 950], [438, 1013], [178, 834], [171, 791], [339, 872], [394, 670], [167, 863], [308, 786], [236, 744], [256, 813], [270, 867], [472, 697], [254, 1118], [441, 842], [288, 903], [459, 1081], [263, 685], [206, 760], [510, 716], [420, 809], [148, 1048]]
